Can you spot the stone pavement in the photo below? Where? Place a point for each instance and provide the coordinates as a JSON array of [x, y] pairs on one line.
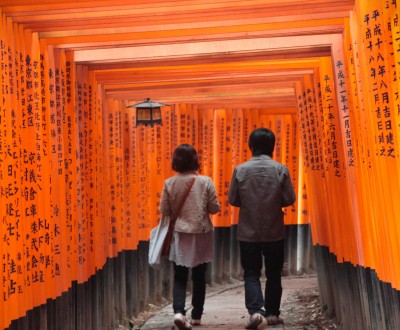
[[224, 307]]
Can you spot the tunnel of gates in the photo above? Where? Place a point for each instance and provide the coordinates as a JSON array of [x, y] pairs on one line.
[[80, 184]]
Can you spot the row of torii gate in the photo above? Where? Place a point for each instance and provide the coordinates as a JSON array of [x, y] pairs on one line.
[[80, 182]]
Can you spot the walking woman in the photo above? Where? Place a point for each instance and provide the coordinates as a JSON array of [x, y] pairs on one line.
[[193, 239]]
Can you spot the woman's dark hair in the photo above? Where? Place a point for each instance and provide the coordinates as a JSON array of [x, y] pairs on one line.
[[185, 159], [262, 142]]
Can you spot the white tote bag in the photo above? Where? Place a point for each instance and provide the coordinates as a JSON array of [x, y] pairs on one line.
[[157, 237]]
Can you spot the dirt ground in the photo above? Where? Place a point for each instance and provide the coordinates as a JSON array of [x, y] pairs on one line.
[[224, 308]]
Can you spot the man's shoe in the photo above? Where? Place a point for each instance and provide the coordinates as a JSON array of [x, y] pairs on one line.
[[181, 323], [255, 320], [273, 320]]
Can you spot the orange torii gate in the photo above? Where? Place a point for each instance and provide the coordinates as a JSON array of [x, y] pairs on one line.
[[80, 183]]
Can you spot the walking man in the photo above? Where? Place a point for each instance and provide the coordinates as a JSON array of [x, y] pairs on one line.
[[260, 187]]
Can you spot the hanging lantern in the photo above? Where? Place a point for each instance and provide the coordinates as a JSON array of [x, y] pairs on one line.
[[148, 113]]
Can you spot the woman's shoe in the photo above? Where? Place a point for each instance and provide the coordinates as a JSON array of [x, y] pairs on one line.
[[195, 322], [181, 323], [274, 320]]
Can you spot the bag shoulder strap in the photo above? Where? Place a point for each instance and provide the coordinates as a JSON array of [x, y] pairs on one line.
[[178, 211], [167, 242]]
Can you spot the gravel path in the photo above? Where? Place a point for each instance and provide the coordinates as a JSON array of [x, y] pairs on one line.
[[224, 308]]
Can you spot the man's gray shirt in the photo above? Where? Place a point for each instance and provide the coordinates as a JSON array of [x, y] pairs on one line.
[[261, 187]]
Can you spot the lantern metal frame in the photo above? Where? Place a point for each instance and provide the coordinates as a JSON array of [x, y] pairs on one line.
[[148, 113]]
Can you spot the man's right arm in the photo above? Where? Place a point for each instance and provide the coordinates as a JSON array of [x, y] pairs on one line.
[[288, 194]]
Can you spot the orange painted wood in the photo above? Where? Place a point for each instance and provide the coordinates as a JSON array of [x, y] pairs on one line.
[[305, 58]]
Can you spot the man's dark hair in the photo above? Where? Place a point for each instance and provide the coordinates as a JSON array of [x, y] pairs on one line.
[[185, 159], [262, 142]]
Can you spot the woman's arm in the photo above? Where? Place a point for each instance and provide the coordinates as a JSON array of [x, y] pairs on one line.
[[165, 205], [213, 205]]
